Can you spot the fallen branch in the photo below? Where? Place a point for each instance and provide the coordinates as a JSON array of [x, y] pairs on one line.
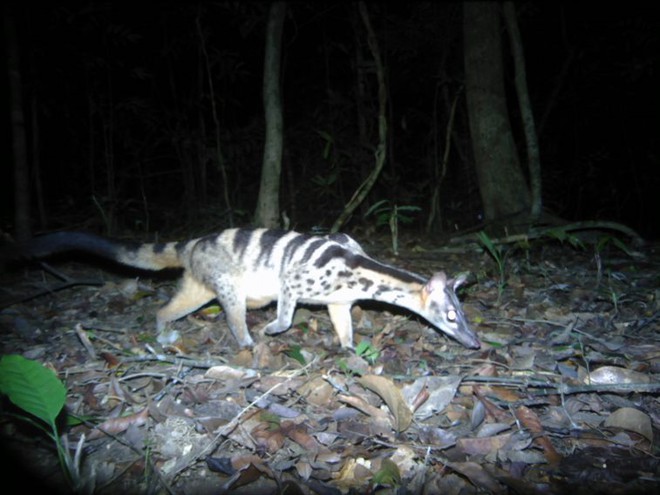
[[538, 232], [50, 289], [550, 388]]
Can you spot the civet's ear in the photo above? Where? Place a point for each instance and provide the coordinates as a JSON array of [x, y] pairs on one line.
[[437, 282], [458, 281]]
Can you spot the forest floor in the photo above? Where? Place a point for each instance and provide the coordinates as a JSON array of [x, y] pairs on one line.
[[562, 396]]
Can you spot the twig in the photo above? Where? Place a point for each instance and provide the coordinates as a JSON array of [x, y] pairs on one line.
[[84, 340], [538, 232], [67, 282], [176, 360], [563, 388], [161, 478], [229, 427]]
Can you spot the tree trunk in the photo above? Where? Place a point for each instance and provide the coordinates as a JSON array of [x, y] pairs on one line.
[[222, 166], [503, 189], [35, 146], [533, 155], [22, 230], [267, 213], [381, 149]]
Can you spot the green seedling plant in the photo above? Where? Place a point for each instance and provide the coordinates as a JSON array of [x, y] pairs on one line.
[[563, 236], [388, 475], [614, 297], [391, 215], [598, 249], [295, 352], [36, 391], [367, 351], [497, 253], [326, 184], [347, 370]]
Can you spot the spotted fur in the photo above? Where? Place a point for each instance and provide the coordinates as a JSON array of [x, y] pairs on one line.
[[249, 268]]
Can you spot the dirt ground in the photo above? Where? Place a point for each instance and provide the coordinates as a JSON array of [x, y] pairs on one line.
[[562, 396]]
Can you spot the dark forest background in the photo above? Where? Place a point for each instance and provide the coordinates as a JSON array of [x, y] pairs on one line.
[[139, 115]]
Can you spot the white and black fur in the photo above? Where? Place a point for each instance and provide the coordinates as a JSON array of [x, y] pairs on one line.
[[250, 268]]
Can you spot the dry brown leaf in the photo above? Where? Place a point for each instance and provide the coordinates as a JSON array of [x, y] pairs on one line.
[[117, 394], [483, 446], [478, 476], [118, 425], [493, 410], [329, 457], [504, 394], [265, 358], [243, 359], [270, 440], [612, 375], [304, 469], [317, 391], [227, 373], [392, 396], [110, 359], [420, 399], [250, 474], [438, 437], [241, 461], [405, 458], [90, 398], [354, 473], [298, 433], [631, 419], [441, 391], [362, 405], [486, 369], [278, 384], [531, 421]]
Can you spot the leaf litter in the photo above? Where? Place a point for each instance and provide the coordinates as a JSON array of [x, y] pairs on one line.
[[562, 395]]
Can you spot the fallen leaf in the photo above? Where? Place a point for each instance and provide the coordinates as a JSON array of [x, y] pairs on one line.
[[531, 421], [441, 390], [118, 425], [304, 469], [631, 419], [298, 433], [405, 459], [362, 405], [239, 462], [316, 391], [437, 437], [612, 375], [392, 396], [270, 440], [227, 373], [353, 474], [478, 476], [483, 446], [491, 409]]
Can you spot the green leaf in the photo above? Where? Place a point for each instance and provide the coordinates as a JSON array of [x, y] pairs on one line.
[[294, 352], [273, 420], [622, 246], [367, 351], [495, 252], [382, 204], [409, 208], [346, 369], [329, 141], [32, 387], [389, 474], [485, 240]]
